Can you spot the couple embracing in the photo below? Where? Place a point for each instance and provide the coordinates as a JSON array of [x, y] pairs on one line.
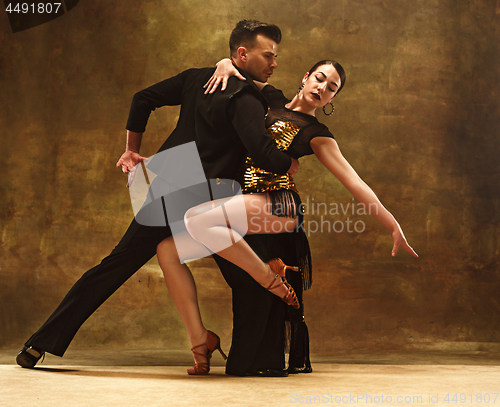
[[250, 136]]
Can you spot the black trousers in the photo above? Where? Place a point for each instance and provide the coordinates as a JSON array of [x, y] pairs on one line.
[[258, 333], [258, 323]]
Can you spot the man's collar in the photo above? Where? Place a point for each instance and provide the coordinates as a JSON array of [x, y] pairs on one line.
[[241, 71], [248, 79]]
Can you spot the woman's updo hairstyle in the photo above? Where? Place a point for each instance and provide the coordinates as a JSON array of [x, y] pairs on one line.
[[337, 67]]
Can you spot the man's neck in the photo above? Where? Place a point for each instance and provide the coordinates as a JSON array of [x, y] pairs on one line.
[[237, 63]]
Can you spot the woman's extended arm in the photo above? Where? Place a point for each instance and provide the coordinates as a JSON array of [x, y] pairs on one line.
[[328, 153]]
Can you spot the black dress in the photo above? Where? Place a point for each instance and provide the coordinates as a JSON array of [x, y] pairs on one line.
[[292, 132]]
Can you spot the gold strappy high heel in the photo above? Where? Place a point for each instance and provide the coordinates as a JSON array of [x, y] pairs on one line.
[[278, 267], [212, 343]]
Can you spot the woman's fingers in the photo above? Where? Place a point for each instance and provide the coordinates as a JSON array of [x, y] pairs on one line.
[[410, 250], [209, 84], [404, 244], [399, 240]]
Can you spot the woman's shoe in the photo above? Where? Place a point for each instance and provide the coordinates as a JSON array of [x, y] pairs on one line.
[[279, 268], [212, 343]]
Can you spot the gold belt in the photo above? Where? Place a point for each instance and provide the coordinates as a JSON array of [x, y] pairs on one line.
[[258, 180]]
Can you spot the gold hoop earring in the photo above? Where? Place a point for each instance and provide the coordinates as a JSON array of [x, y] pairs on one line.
[[333, 109]]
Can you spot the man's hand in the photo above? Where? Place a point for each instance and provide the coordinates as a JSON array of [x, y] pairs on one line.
[[294, 167], [128, 161], [225, 69]]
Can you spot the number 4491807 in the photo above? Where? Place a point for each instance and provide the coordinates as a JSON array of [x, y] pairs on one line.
[[33, 8], [472, 398]]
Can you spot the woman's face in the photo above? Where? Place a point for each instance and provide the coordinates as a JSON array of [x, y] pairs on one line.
[[321, 86]]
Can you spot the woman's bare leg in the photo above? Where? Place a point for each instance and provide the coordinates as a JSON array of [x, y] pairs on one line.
[[182, 288], [221, 228]]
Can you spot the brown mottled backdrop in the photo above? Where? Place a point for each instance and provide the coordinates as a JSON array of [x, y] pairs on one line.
[[418, 119]]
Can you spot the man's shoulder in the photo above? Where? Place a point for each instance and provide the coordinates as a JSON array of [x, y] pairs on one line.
[[206, 70], [235, 85], [198, 72], [247, 90]]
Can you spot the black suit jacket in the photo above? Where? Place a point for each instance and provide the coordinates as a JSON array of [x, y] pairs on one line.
[[226, 126]]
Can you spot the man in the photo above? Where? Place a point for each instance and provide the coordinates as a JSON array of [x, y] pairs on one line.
[[226, 127]]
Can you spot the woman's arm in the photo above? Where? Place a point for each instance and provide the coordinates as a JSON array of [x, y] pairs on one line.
[[328, 153], [225, 69]]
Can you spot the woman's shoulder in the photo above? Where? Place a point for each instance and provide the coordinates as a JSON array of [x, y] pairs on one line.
[[311, 127], [274, 95], [316, 128]]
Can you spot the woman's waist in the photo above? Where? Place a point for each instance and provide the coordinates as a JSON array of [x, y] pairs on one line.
[[256, 179]]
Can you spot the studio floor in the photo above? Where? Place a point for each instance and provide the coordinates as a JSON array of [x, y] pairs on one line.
[[131, 377]]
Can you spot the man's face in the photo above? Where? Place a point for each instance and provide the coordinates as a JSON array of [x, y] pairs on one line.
[[260, 60]]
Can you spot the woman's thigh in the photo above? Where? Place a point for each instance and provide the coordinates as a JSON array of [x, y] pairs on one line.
[[246, 214], [260, 218]]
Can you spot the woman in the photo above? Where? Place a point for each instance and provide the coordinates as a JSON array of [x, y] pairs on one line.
[[270, 203]]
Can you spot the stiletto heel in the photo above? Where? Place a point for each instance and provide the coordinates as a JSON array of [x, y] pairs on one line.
[[212, 343], [279, 268]]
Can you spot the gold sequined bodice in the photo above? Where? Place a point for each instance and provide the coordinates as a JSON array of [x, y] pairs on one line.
[[258, 180]]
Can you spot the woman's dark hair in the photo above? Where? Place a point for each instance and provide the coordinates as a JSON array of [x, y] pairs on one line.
[[246, 31], [336, 65]]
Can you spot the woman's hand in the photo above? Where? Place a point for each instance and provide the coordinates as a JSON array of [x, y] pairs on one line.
[[399, 240], [225, 69]]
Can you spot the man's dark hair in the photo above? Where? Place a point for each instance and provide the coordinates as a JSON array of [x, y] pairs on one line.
[[246, 31]]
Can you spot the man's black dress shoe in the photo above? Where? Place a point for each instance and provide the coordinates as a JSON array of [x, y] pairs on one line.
[[295, 370], [268, 373], [29, 357]]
